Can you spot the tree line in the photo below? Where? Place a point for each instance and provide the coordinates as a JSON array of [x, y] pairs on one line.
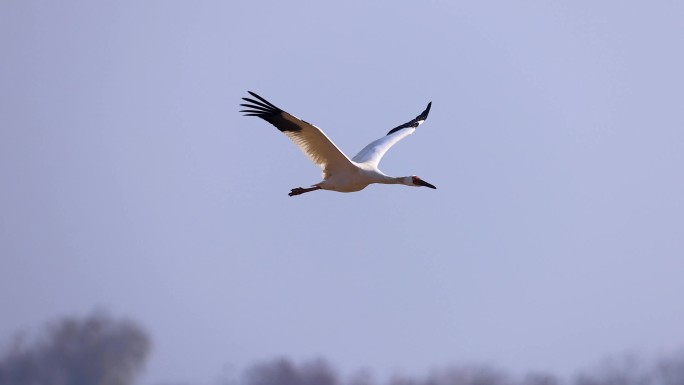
[[101, 350]]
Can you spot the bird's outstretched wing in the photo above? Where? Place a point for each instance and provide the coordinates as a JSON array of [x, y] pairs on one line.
[[310, 139], [373, 152]]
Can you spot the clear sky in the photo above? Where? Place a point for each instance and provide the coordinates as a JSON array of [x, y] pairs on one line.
[[130, 182]]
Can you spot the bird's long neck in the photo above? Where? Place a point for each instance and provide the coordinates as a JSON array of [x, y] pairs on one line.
[[378, 176], [396, 180]]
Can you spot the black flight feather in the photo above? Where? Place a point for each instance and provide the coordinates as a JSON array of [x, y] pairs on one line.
[[413, 123], [265, 110]]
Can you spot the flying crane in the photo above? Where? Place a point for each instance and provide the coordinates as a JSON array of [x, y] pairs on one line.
[[339, 172]]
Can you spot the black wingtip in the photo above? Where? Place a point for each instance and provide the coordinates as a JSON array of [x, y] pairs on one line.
[[263, 100], [425, 113], [267, 111], [415, 122], [260, 106]]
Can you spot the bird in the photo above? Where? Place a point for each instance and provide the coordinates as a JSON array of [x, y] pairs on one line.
[[340, 173]]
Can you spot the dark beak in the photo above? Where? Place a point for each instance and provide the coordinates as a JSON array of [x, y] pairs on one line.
[[421, 182]]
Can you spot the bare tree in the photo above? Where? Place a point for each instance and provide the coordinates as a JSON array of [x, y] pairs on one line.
[[670, 370], [539, 378], [318, 372], [284, 372], [628, 369], [468, 375], [97, 350]]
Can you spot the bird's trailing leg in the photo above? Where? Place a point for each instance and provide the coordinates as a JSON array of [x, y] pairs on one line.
[[301, 190]]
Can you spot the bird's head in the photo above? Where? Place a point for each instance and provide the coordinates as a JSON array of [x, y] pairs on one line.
[[416, 181]]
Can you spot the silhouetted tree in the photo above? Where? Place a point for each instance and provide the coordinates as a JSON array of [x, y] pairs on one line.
[[621, 370], [670, 370], [624, 370], [97, 350], [470, 375], [284, 372], [538, 378]]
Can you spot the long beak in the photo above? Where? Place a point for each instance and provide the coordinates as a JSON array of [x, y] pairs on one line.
[[421, 182]]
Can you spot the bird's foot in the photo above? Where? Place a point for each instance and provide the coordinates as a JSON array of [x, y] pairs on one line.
[[300, 190]]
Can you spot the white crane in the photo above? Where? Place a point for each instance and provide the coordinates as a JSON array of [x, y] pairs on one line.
[[339, 172]]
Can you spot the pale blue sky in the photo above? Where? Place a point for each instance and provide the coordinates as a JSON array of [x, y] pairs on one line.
[[556, 139]]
